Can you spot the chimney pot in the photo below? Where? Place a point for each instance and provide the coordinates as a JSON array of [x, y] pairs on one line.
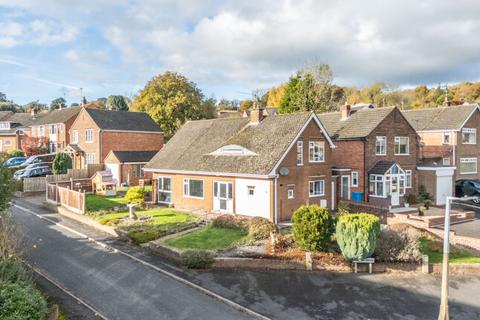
[[345, 111], [256, 114]]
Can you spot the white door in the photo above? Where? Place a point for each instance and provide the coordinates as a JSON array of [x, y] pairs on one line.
[[444, 189], [395, 192], [222, 197], [345, 187]]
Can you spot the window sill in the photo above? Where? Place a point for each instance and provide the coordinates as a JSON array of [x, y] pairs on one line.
[[381, 155], [323, 161], [402, 154], [192, 197], [316, 195], [375, 196], [299, 164], [469, 143], [468, 172]]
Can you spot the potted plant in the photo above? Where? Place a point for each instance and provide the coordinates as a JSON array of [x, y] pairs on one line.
[[421, 210]]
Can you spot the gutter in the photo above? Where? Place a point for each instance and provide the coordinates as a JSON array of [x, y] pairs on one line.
[[207, 173], [275, 197]]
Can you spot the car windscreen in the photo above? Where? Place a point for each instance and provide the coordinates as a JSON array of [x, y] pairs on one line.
[[30, 160], [476, 183]]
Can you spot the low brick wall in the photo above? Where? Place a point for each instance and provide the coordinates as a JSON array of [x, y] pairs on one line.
[[164, 251], [460, 269], [381, 211]]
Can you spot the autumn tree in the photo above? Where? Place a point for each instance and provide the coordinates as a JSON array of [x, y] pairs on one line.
[[171, 99], [246, 104], [275, 95], [34, 145]]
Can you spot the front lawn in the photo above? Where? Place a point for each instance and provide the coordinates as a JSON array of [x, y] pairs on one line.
[[209, 238], [161, 221], [97, 202], [433, 248]]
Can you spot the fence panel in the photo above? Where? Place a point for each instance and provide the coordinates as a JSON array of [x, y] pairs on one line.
[[34, 184], [71, 199], [51, 193]]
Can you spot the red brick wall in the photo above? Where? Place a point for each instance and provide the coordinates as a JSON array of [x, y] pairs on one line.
[[350, 153], [468, 150], [83, 122], [130, 141], [126, 169], [299, 176]]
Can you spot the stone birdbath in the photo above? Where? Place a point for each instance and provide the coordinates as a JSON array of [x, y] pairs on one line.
[[131, 211]]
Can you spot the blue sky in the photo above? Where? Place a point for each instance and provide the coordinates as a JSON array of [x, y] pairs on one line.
[[52, 48]]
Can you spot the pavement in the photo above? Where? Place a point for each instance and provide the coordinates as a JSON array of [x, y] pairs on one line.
[[122, 288]]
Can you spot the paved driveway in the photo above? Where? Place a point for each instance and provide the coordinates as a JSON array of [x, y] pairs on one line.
[[128, 290]]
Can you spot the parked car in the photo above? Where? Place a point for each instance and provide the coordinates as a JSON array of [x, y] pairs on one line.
[[468, 188], [15, 161], [32, 166], [35, 172], [39, 158]]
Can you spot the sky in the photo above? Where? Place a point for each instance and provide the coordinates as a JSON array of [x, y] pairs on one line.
[[229, 48]]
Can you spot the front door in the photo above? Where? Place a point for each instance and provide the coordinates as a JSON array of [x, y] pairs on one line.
[[222, 197], [345, 187], [395, 192]]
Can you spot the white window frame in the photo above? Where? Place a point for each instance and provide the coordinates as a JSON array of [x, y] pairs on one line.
[[354, 178], [4, 125], [186, 188], [398, 144], [446, 161], [376, 178], [322, 188], [470, 131], [163, 190], [75, 136], [90, 158], [299, 153], [468, 160], [316, 156], [290, 193], [251, 191], [408, 179], [88, 135], [378, 140], [53, 129], [449, 135], [7, 143], [41, 131]]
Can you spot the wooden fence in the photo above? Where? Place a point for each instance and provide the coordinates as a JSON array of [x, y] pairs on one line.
[[34, 184], [70, 199]]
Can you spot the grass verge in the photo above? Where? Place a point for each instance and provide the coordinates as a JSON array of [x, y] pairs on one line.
[[434, 249], [209, 238]]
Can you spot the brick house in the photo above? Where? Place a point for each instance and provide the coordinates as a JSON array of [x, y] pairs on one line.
[[254, 166], [127, 166], [375, 156], [13, 128], [54, 125], [95, 133], [449, 137]]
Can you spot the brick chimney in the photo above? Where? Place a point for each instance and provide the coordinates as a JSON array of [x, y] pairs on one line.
[[345, 111], [33, 113], [256, 114]]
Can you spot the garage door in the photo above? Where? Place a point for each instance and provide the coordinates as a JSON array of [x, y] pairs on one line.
[[444, 189]]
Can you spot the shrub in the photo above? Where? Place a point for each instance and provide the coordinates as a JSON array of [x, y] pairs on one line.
[[398, 246], [260, 228], [12, 271], [411, 198], [21, 302], [229, 221], [61, 163], [197, 259], [357, 235], [423, 194], [312, 227], [15, 153], [136, 195]]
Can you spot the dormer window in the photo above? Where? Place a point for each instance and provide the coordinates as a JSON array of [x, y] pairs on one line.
[[4, 125], [233, 150]]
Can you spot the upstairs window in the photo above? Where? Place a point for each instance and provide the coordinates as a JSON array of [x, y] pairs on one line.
[[4, 125], [381, 146], [89, 135], [75, 136], [316, 151], [53, 129], [402, 145], [469, 136], [447, 139], [299, 153], [41, 131]]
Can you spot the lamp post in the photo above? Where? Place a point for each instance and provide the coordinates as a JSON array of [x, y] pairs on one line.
[[443, 314]]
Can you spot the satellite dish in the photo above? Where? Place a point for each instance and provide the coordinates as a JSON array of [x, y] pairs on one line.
[[283, 171]]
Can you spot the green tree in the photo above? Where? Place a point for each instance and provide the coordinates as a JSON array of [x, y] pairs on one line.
[[170, 99], [57, 103], [61, 163], [311, 89], [209, 108], [116, 103], [3, 97]]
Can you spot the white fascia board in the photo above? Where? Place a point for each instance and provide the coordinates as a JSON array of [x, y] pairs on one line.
[[206, 173]]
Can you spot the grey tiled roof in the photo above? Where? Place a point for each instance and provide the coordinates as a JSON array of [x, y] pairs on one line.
[[57, 116], [134, 156], [190, 148], [381, 167], [441, 118], [123, 120], [358, 125]]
